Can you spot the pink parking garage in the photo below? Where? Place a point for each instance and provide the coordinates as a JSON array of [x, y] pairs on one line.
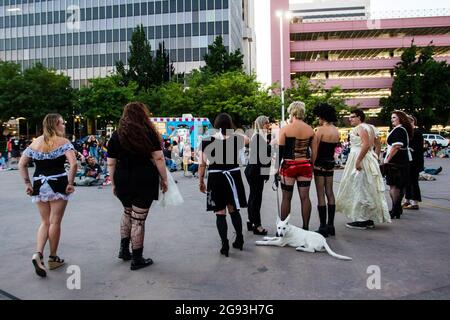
[[358, 55]]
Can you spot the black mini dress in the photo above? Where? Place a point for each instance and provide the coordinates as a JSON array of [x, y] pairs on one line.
[[136, 177], [224, 185], [397, 170], [50, 177]]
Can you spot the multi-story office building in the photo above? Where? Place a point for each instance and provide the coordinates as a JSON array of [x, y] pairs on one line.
[[310, 11], [84, 38]]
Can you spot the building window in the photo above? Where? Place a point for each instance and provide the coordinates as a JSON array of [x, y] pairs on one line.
[[151, 32], [165, 5], [225, 4], [151, 8], [203, 28], [187, 5], [196, 54], [95, 37], [102, 36], [95, 13], [96, 60], [56, 40], [130, 33], [158, 7], [187, 30], [219, 27], [76, 38], [202, 4], [109, 14], [109, 59], [109, 37], [69, 63], [173, 6], [122, 11], [82, 61], [225, 27], [137, 9], [103, 12], [103, 60], [123, 34], [195, 29], [116, 35], [144, 8], [82, 38], [43, 18], [211, 28], [210, 4], [69, 39], [203, 52], [218, 4], [115, 11], [188, 55], [129, 10], [180, 28], [180, 5], [63, 40], [195, 6], [165, 31], [89, 37], [158, 32], [89, 61], [180, 57], [88, 14], [76, 62], [173, 30]]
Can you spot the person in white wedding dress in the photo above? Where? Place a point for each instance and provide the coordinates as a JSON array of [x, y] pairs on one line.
[[361, 190]]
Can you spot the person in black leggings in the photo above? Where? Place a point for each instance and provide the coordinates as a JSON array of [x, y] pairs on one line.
[[327, 138], [137, 168], [257, 173]]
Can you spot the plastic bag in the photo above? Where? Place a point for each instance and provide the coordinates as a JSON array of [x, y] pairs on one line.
[[173, 196]]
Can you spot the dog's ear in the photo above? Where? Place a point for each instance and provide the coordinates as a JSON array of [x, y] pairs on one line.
[[287, 219], [278, 219]]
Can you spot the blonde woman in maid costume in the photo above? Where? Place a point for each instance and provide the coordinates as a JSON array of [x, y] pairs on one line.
[[50, 186]]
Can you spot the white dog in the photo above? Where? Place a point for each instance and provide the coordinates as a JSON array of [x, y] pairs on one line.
[[302, 240]]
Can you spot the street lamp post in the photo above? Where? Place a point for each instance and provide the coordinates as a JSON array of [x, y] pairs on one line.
[[282, 14]]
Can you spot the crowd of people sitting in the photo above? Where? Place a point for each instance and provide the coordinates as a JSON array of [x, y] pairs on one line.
[[435, 150]]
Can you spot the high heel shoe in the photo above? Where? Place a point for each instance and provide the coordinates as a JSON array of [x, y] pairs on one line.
[[38, 264], [258, 232], [225, 248], [249, 226], [239, 242]]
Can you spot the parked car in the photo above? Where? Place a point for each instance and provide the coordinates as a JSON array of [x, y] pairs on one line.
[[430, 137]]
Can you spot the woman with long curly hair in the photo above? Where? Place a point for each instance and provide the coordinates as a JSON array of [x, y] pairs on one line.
[[137, 170]]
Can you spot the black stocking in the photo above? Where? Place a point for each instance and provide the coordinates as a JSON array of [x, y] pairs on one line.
[[396, 197], [286, 201], [222, 227], [303, 191], [138, 217]]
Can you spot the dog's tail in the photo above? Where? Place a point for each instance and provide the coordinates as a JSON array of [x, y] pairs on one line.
[[334, 254]]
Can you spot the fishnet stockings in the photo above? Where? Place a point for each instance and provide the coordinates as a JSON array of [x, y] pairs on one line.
[[138, 217]]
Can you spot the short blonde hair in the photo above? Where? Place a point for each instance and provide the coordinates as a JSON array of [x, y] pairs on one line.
[[297, 109]]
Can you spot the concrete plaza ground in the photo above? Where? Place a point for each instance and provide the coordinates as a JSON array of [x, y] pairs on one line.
[[412, 253]]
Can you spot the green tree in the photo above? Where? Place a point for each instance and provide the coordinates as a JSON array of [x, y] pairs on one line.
[[12, 90], [144, 69], [105, 98], [236, 93], [46, 91], [218, 60], [163, 69], [140, 61], [312, 93], [421, 88]]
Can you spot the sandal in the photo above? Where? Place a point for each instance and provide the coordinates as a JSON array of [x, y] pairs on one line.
[[55, 262], [38, 264]]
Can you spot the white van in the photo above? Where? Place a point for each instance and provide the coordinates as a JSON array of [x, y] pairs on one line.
[[430, 137]]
